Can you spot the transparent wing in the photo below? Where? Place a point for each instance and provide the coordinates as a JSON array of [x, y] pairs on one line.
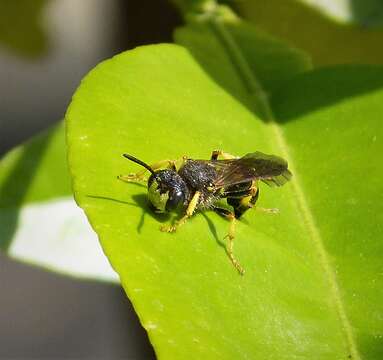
[[270, 169]]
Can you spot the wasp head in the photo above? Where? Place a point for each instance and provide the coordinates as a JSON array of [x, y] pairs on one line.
[[167, 191]]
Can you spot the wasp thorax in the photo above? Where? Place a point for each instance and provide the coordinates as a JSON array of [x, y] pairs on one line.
[[167, 191]]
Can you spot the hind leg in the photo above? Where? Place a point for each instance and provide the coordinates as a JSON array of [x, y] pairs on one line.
[[241, 201], [230, 236]]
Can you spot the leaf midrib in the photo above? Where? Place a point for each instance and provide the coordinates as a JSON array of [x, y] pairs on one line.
[[262, 106]]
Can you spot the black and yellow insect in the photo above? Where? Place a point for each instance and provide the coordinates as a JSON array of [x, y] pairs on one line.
[[186, 185]]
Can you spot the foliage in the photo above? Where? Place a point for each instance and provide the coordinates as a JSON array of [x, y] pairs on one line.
[[300, 297], [327, 41], [313, 284], [39, 221]]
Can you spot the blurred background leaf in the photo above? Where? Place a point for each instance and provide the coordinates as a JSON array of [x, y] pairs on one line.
[[21, 28], [272, 61], [366, 13], [363, 13], [39, 221], [327, 42]]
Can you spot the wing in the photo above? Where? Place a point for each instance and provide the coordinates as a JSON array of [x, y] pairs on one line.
[[268, 168]]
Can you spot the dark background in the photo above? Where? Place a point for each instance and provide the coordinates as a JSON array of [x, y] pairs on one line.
[[44, 315]]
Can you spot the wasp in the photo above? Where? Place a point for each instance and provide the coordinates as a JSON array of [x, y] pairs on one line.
[[186, 185]]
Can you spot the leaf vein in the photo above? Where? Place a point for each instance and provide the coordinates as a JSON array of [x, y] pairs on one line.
[[263, 108]]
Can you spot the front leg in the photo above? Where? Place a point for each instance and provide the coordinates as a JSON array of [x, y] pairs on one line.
[[189, 212]]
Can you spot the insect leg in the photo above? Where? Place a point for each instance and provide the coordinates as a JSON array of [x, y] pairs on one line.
[[189, 212], [245, 202], [140, 176], [231, 234], [216, 153], [267, 210], [168, 164]]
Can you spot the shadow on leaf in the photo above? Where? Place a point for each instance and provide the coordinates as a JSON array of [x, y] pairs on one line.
[[249, 65]]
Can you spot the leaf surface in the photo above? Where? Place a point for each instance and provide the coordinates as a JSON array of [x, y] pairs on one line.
[[210, 42], [303, 292]]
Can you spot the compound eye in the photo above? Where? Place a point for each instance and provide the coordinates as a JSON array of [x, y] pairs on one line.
[[157, 197], [176, 199]]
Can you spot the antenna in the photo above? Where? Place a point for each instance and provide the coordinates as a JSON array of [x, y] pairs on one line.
[[137, 161]]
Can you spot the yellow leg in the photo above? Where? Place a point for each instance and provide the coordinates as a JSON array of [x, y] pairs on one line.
[[189, 212], [229, 247], [226, 156], [140, 176], [134, 177], [168, 164], [250, 201], [267, 210]]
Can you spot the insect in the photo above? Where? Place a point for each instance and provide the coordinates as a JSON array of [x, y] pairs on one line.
[[185, 186]]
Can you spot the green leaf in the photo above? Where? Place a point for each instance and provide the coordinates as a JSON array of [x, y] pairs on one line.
[[312, 287], [271, 60], [326, 41], [39, 221], [20, 26], [332, 126]]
